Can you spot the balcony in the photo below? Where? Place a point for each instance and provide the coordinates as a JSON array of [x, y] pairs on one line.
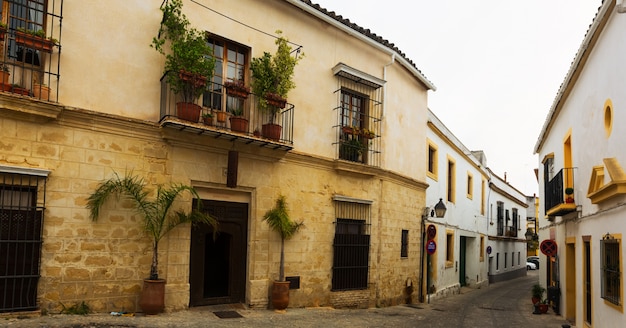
[[510, 232], [231, 118], [557, 202], [30, 51]]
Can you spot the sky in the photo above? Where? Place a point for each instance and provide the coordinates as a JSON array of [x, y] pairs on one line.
[[497, 66]]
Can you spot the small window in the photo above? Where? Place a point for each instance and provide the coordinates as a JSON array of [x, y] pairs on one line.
[[506, 259], [497, 261], [470, 186], [608, 117], [404, 248], [451, 181], [432, 160], [611, 270], [482, 248], [449, 248]]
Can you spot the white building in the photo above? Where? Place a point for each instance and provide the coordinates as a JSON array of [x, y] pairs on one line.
[[581, 146], [482, 213]]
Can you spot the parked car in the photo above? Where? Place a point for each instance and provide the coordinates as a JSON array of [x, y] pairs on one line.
[[531, 266], [533, 259]]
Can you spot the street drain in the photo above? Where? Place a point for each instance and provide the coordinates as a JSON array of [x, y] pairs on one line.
[[227, 314]]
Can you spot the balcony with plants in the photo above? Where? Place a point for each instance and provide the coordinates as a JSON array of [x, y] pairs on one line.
[[192, 102], [30, 50], [559, 194]]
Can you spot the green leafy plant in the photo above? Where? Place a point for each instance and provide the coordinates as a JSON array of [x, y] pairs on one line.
[[79, 309], [537, 291], [278, 220], [38, 33], [157, 217], [188, 64], [273, 74]]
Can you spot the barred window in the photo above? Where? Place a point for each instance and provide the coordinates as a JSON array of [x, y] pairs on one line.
[[611, 276], [404, 248], [351, 244]]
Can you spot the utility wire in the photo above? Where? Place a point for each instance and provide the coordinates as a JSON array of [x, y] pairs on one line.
[[297, 50]]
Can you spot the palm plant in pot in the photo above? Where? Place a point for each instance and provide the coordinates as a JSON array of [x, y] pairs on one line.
[[278, 220], [272, 79], [189, 64], [158, 220]]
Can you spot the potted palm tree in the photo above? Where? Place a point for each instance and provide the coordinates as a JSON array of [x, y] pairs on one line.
[[158, 220], [278, 220], [189, 64], [272, 80]]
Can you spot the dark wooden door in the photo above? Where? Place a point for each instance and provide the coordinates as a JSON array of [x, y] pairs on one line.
[[217, 267]]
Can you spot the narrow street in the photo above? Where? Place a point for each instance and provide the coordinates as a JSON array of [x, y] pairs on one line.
[[505, 304]]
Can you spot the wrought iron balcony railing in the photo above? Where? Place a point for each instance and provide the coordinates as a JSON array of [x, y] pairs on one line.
[[223, 115], [557, 201]]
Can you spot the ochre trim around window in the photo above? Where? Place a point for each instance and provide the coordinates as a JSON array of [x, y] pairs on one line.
[[608, 117]]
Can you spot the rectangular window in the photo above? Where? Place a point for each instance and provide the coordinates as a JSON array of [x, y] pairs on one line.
[[611, 264], [21, 221], [506, 259], [432, 160], [358, 116], [451, 190], [512, 259], [515, 222], [470, 186], [482, 248], [27, 15], [497, 261], [482, 197], [500, 218], [587, 279], [449, 248], [353, 144], [404, 246], [351, 246], [231, 61]]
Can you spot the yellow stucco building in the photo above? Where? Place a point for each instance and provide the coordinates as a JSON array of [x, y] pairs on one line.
[[109, 110]]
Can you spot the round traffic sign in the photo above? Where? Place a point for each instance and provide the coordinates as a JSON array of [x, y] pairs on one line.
[[548, 247], [431, 247], [431, 231], [488, 250]]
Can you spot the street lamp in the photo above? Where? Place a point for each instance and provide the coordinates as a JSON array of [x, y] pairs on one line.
[[440, 209]]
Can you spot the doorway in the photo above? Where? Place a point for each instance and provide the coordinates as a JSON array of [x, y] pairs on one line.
[[217, 266], [462, 260]]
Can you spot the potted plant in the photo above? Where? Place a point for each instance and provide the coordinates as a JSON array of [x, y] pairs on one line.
[[35, 39], [543, 306], [278, 220], [238, 122], [351, 149], [188, 65], [3, 30], [237, 89], [569, 192], [537, 293], [41, 91], [19, 89], [4, 77], [158, 220], [207, 118], [272, 79]]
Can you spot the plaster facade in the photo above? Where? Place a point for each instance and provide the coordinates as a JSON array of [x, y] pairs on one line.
[[582, 134], [109, 121]]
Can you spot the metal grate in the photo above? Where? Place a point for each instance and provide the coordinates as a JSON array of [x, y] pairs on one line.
[[611, 277], [351, 246], [21, 220]]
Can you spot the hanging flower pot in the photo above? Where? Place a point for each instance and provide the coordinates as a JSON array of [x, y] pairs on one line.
[[236, 89]]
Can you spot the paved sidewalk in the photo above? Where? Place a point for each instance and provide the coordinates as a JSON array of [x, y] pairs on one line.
[[435, 314]]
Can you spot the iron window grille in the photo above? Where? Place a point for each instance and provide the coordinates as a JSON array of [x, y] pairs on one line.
[[500, 219], [358, 115], [404, 248], [611, 275], [22, 204], [351, 246]]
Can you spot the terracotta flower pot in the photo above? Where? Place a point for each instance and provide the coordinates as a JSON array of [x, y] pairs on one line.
[[271, 131], [188, 111], [152, 299], [280, 295], [41, 91], [239, 124]]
